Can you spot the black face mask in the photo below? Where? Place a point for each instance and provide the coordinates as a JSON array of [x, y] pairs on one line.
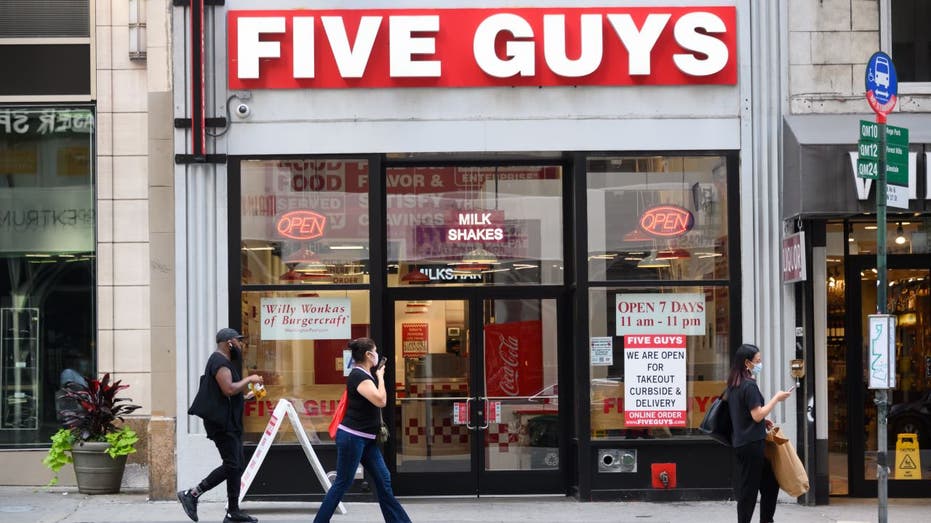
[[235, 352]]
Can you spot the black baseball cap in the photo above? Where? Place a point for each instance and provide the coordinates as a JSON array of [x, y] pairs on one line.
[[227, 334]]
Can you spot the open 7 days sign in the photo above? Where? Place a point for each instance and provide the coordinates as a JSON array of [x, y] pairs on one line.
[[296, 49]]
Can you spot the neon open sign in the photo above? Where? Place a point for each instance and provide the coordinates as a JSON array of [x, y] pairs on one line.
[[301, 225], [666, 221]]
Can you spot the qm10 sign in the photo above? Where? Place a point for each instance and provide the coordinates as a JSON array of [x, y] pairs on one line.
[[296, 49]]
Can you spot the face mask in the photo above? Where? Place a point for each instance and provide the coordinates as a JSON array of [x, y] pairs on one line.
[[235, 352], [757, 369]]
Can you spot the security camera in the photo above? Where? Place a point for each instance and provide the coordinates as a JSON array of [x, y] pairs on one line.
[[243, 111]]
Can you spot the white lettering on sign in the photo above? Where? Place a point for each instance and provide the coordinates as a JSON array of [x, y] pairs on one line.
[[654, 381], [477, 46], [487, 226], [793, 258], [46, 121], [660, 313], [863, 185]]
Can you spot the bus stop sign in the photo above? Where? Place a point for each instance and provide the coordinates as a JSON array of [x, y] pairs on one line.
[[882, 85]]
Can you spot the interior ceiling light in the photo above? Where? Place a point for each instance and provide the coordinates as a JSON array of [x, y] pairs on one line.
[[900, 235], [415, 276], [673, 254], [476, 260], [651, 262], [417, 307], [479, 255]]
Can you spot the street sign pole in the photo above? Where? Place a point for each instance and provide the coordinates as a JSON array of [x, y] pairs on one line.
[[882, 89], [882, 395]]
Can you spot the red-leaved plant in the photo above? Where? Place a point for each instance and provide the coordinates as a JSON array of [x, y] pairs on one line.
[[98, 408]]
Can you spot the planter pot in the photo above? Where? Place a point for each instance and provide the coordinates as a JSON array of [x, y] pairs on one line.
[[95, 470]]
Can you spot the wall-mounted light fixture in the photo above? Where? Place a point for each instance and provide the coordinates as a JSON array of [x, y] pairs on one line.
[[137, 43], [900, 238]]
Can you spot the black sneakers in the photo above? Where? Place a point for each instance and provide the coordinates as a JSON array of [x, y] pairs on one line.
[[238, 516], [188, 503]]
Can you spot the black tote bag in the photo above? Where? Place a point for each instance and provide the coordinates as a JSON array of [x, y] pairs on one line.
[[717, 421], [207, 404]]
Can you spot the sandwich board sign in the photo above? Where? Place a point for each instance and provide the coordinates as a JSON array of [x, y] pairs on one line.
[[283, 409]]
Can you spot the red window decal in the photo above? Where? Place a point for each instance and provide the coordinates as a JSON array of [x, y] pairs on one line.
[[301, 225]]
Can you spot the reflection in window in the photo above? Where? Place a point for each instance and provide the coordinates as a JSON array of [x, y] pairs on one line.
[[47, 265], [707, 359], [475, 225], [657, 218], [295, 340], [304, 222]]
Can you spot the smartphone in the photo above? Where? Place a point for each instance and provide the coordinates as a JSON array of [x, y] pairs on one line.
[[790, 389], [381, 362]]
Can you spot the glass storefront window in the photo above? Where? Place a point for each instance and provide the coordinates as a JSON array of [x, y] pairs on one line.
[[47, 265], [295, 340], [304, 222], [487, 225], [904, 235], [657, 218], [617, 311]]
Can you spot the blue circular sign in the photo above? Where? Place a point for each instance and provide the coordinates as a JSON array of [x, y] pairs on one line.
[[881, 79]]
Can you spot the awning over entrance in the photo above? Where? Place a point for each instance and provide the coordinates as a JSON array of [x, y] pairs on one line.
[[818, 173]]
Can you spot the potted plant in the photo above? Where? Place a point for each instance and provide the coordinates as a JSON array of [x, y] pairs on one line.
[[97, 446]]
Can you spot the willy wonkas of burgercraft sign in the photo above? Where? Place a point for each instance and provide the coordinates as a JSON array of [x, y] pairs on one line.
[[278, 49]]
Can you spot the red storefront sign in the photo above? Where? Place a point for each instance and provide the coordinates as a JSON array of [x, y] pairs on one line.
[[294, 49], [514, 358]]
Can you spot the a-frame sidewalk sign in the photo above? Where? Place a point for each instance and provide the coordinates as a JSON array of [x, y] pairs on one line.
[[284, 408]]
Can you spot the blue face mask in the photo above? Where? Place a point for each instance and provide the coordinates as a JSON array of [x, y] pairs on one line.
[[757, 369]]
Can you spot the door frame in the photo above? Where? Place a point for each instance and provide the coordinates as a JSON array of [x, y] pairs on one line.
[[856, 392], [478, 481]]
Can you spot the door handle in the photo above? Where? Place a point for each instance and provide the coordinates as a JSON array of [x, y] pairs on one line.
[[469, 414], [482, 413]]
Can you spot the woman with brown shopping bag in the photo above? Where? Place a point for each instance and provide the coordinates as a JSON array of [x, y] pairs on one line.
[[748, 415]]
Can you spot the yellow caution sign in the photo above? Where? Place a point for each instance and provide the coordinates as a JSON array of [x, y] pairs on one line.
[[907, 457]]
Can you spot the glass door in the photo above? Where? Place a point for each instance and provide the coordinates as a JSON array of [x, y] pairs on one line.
[[909, 420], [518, 410], [477, 407]]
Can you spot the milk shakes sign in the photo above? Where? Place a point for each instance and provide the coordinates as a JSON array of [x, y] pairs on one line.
[[296, 49], [305, 319], [654, 381]]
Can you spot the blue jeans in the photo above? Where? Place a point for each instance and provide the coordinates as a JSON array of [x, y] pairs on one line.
[[352, 450]]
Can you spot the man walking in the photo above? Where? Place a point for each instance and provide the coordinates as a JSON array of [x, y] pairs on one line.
[[224, 367]]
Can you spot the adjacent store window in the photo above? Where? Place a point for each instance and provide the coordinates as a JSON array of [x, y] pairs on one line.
[[660, 349], [47, 265], [304, 273], [481, 225], [911, 39]]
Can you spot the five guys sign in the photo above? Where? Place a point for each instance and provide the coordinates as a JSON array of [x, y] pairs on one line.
[[294, 49]]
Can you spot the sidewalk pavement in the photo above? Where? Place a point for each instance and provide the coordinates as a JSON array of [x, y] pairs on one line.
[[65, 505]]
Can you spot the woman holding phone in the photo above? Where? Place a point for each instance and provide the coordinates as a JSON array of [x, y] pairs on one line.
[[356, 436], [748, 415]]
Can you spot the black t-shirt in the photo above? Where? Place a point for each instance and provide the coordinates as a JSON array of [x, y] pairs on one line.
[[361, 414], [741, 400], [235, 402]]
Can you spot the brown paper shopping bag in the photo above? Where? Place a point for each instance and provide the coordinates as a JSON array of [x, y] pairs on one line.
[[788, 468]]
